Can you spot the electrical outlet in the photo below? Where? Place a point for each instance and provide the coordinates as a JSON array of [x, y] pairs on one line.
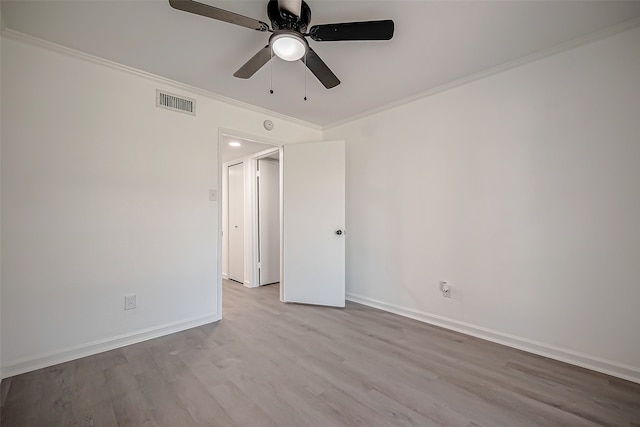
[[129, 302], [446, 289]]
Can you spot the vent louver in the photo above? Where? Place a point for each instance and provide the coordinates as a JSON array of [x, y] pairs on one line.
[[175, 102]]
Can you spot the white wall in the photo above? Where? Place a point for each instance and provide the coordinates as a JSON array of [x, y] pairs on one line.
[[520, 189], [103, 194]]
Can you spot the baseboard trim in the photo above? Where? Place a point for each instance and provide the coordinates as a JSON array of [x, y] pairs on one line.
[[32, 363], [225, 276], [608, 367]]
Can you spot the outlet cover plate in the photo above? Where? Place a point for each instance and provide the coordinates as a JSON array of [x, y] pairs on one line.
[[129, 302], [445, 288]]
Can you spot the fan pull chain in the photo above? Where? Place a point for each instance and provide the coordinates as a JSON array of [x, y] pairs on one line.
[[305, 76], [271, 68]]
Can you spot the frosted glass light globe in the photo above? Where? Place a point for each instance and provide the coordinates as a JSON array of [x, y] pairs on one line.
[[289, 48]]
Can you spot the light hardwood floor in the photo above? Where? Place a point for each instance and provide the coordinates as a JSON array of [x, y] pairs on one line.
[[273, 364]]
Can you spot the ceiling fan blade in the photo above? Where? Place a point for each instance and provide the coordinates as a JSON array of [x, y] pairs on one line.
[[292, 6], [320, 70], [219, 14], [368, 30], [254, 64]]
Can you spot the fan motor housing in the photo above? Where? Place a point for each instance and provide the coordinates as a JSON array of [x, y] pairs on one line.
[[284, 20]]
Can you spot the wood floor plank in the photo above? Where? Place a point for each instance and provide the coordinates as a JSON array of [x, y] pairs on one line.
[[273, 364], [239, 406], [4, 390], [132, 410], [167, 409], [57, 394], [22, 405], [201, 405]]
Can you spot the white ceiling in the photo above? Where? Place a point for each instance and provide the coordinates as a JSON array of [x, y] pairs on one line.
[[436, 42], [246, 148]]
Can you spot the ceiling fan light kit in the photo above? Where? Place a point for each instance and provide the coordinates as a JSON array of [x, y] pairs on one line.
[[288, 45], [288, 40]]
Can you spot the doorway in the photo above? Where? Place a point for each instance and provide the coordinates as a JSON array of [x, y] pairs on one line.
[[311, 217], [251, 216]]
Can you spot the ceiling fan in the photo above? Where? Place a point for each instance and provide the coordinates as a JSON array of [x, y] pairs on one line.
[[289, 22]]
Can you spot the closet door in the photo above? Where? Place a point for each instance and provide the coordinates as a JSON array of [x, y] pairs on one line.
[[236, 222]]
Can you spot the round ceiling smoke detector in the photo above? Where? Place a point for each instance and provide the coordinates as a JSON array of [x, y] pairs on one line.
[[268, 124]]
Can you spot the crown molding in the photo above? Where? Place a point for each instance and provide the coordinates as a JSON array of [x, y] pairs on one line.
[[54, 47], [571, 44]]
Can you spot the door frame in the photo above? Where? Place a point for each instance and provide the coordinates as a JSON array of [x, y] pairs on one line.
[[277, 145]]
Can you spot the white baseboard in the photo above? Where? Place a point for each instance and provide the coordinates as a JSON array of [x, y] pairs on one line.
[[32, 363], [225, 276], [609, 367]]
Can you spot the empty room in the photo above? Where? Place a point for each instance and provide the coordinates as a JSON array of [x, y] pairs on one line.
[[319, 213]]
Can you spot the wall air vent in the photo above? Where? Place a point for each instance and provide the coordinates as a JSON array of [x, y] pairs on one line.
[[175, 102]]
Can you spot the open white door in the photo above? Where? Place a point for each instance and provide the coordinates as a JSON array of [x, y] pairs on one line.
[[313, 223]]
